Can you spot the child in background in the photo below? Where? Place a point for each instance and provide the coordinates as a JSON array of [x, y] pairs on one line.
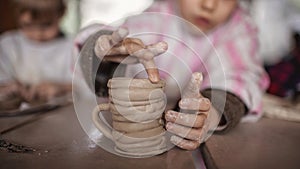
[[35, 59], [232, 34]]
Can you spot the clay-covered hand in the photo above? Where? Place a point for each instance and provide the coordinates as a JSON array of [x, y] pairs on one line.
[[44, 91], [117, 48], [189, 125]]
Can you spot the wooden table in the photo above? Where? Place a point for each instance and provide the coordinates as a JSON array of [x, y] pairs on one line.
[[268, 143], [60, 142]]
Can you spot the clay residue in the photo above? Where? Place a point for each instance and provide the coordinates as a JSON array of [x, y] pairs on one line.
[[14, 148]]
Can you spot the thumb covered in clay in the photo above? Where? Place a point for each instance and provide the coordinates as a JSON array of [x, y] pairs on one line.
[[192, 89], [191, 97]]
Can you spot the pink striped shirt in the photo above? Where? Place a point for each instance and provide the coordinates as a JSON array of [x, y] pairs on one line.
[[227, 56]]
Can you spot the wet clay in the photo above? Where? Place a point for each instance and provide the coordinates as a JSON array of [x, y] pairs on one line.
[[136, 106]]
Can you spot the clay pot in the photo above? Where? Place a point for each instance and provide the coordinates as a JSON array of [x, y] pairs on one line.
[[136, 106]]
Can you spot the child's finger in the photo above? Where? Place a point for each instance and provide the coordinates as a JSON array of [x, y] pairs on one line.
[[151, 70], [185, 144], [190, 120], [133, 45], [105, 47], [184, 132], [150, 51], [193, 87], [153, 75], [146, 57], [105, 44], [158, 48], [197, 104], [118, 35], [102, 45], [127, 47]]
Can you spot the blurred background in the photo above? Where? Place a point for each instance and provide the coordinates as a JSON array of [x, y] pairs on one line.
[[278, 23], [81, 13]]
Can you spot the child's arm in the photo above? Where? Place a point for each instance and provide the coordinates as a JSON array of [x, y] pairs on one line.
[[231, 111]]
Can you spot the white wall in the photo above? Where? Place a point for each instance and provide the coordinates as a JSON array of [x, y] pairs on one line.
[[108, 11]]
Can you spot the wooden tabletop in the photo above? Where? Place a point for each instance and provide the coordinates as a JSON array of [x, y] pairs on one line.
[[268, 143], [58, 141]]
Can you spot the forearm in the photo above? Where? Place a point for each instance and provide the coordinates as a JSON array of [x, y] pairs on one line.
[[228, 105], [96, 71], [89, 60]]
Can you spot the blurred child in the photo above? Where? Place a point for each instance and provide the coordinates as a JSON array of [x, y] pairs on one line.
[[234, 71], [35, 59], [279, 48]]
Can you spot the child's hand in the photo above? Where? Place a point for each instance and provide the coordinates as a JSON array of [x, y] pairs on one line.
[[43, 91], [189, 128], [117, 48]]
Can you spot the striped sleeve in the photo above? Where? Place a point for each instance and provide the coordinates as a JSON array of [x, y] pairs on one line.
[[243, 74]]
